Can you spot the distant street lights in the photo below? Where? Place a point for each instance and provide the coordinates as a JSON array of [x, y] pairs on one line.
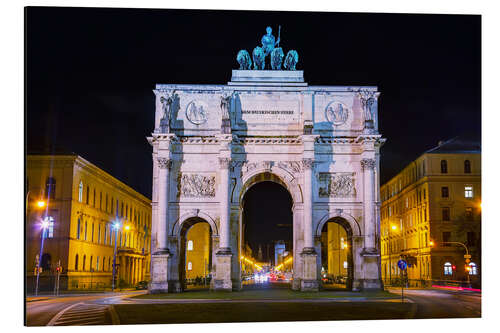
[[467, 256]]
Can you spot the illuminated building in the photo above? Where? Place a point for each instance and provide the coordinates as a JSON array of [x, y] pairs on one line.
[[436, 198], [198, 261], [82, 203]]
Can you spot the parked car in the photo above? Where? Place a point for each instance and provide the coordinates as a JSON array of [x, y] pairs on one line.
[[141, 285]]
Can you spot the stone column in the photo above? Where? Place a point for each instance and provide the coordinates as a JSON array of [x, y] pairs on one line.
[[368, 166], [371, 264], [223, 267], [159, 259], [309, 280]]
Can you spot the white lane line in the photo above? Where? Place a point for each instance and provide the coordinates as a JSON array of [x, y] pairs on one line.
[[60, 313]]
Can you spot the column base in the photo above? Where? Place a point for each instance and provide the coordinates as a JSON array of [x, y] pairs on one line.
[[222, 281], [309, 285], [309, 281], [159, 272]]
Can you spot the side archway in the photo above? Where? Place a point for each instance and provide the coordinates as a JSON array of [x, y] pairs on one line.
[[195, 213], [344, 219]]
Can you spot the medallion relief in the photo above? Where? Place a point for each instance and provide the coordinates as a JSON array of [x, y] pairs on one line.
[[196, 112], [336, 113], [337, 185], [196, 185]]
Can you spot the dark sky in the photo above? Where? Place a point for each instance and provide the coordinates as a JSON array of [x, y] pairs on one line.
[[90, 73]]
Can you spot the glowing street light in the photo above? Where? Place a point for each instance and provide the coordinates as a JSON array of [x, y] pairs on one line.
[[44, 225], [40, 203], [393, 227]]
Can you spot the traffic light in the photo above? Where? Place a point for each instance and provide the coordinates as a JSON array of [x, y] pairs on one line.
[[454, 267]]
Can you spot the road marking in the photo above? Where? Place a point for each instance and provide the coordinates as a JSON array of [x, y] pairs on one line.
[[83, 314]]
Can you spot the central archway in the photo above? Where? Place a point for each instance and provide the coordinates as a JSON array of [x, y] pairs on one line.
[[266, 232]]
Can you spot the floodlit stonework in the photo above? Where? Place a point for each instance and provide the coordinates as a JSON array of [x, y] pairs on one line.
[[211, 143]]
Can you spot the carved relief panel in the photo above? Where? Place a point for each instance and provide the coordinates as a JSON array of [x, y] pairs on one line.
[[337, 185], [190, 185]]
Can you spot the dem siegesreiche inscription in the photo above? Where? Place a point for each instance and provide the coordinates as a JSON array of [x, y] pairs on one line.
[[338, 185], [268, 109]]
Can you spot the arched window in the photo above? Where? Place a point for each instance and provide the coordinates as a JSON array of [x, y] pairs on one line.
[[78, 227], [448, 269], [472, 269], [190, 266], [80, 192], [76, 262], [190, 245], [50, 187], [467, 166], [84, 260], [444, 166]]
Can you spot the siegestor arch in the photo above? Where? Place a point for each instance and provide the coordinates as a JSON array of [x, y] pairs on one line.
[[344, 219], [188, 216], [275, 175]]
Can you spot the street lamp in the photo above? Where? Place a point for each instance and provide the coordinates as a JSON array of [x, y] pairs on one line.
[[116, 226], [44, 225], [467, 257], [393, 227]]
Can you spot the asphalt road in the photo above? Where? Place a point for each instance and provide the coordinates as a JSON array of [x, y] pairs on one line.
[[434, 303], [108, 308]]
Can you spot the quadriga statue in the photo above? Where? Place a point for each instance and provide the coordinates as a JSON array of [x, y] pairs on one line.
[[292, 58], [258, 58], [277, 58], [244, 60]]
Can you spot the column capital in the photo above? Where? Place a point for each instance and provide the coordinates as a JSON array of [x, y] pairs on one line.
[[164, 163], [224, 162], [307, 163], [367, 163]]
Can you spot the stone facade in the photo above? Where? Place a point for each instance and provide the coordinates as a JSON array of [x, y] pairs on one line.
[[83, 202], [320, 142], [427, 202]]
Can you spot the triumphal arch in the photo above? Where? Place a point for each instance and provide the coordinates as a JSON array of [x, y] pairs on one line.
[[211, 143]]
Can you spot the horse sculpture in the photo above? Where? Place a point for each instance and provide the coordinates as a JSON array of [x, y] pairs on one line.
[[292, 58], [258, 58], [244, 60], [276, 58]]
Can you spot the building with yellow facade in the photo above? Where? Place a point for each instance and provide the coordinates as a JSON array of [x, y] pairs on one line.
[[82, 204], [431, 216]]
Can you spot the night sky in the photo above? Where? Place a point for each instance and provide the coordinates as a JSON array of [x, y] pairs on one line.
[[90, 74]]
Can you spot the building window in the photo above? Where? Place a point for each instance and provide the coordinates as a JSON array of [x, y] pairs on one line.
[[87, 196], [471, 238], [467, 166], [345, 264], [50, 187], [80, 192], [90, 266], [76, 262], [99, 234], [444, 166], [103, 264], [468, 192], [106, 202], [92, 237], [472, 269], [424, 193], [93, 200], [190, 266], [448, 269], [446, 237], [446, 213], [78, 228], [50, 228], [100, 200], [85, 232], [468, 213], [109, 263], [97, 263], [444, 192], [84, 259]]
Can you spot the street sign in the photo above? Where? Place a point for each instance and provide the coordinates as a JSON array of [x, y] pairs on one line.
[[402, 264], [467, 256]]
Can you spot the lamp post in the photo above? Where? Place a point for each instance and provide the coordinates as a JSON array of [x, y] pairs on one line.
[[44, 225], [466, 255], [116, 227], [393, 227]]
